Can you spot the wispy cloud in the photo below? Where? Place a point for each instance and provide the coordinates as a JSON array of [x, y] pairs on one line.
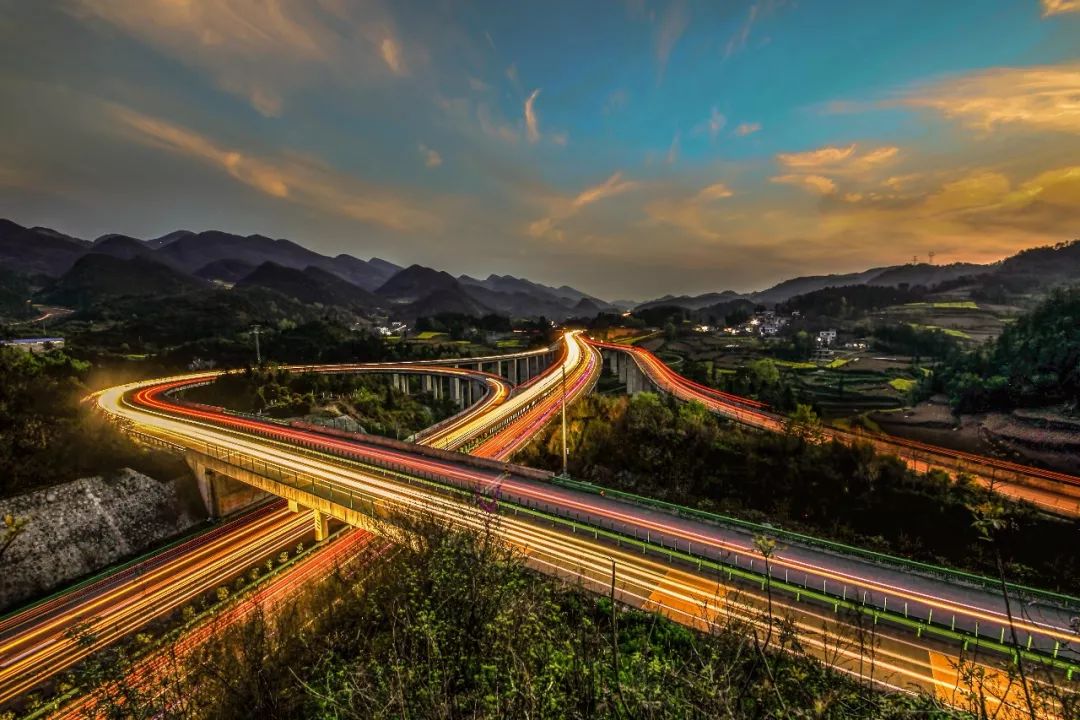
[[391, 55], [747, 128], [260, 50], [757, 11], [1059, 7], [695, 214], [713, 125], [562, 208], [839, 160], [672, 25], [291, 178], [432, 159], [738, 41], [818, 184], [1041, 98], [532, 122]]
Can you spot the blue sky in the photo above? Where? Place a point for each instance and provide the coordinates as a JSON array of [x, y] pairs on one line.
[[631, 149]]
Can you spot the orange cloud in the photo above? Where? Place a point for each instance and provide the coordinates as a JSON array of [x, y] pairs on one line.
[[696, 214], [562, 208], [432, 159], [818, 184], [745, 129], [1041, 98], [296, 179], [1060, 7], [260, 50]]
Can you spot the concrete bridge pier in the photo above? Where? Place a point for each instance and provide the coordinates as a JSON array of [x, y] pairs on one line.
[[221, 494], [455, 391], [322, 526], [512, 376], [426, 386]]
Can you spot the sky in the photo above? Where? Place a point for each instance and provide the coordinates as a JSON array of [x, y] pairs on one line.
[[629, 149]]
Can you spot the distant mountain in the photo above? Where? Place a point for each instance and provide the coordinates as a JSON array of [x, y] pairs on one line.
[[96, 278], [368, 275], [38, 251], [122, 246], [227, 271], [160, 242], [692, 302], [803, 285], [925, 274], [1053, 263], [521, 303], [417, 282], [586, 307], [310, 285], [563, 295], [447, 299]]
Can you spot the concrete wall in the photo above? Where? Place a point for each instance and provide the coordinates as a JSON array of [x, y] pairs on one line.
[[80, 527]]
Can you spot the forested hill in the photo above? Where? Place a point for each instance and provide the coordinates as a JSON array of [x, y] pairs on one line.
[[1035, 362]]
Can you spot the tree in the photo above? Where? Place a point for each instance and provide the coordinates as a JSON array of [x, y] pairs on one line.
[[803, 423]]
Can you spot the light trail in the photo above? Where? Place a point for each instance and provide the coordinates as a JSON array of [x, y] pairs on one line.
[[1049, 489]]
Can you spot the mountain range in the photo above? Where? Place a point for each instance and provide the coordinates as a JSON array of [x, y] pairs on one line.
[[78, 272]]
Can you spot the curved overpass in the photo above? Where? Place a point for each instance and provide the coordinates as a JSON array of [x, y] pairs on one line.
[[691, 569], [1054, 491]]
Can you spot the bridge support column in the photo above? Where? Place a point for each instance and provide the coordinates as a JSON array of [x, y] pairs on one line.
[[221, 494], [613, 362], [455, 391], [294, 506], [322, 526], [622, 363], [513, 372], [426, 384]]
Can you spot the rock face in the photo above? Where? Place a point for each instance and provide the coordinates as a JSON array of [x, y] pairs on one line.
[[85, 525]]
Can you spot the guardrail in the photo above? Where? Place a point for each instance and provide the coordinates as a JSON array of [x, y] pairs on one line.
[[840, 548], [842, 595]]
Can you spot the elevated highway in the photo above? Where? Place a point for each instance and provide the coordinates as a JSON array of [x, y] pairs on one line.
[[1050, 490], [694, 570]]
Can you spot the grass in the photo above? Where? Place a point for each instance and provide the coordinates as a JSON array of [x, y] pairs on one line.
[[511, 343], [946, 305], [430, 335], [904, 385], [838, 363], [793, 365], [953, 332]]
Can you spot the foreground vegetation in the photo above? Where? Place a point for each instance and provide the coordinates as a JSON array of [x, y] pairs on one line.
[[47, 435], [453, 625], [684, 454]]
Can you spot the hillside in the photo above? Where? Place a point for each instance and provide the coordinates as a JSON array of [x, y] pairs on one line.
[[310, 285], [95, 278], [38, 251], [417, 282], [444, 300], [1035, 362], [228, 270]]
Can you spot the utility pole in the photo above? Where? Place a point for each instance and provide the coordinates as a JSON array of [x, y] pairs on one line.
[[564, 420], [258, 353]]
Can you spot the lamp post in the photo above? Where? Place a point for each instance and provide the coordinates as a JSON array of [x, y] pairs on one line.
[[564, 421]]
